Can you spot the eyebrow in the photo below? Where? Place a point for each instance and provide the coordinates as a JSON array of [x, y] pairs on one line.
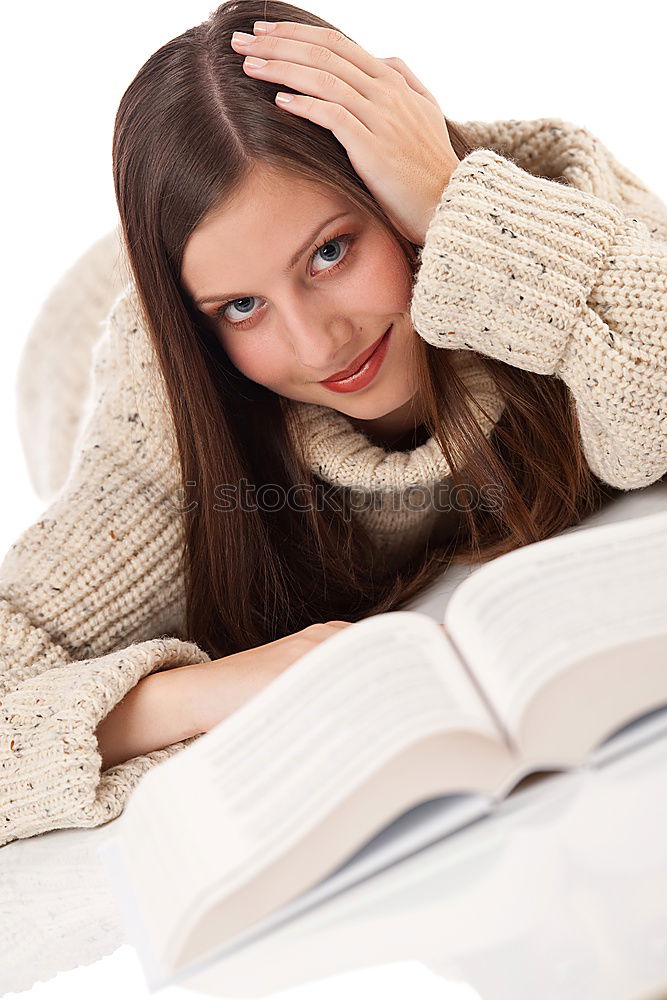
[[296, 257]]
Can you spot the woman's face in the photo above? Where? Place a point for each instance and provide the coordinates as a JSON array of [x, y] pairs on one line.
[[299, 285]]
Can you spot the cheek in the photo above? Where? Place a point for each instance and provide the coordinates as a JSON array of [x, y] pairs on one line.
[[384, 282], [257, 360]]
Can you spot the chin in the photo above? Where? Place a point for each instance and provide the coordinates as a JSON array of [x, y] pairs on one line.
[[373, 409]]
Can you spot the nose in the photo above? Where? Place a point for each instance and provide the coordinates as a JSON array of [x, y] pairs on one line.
[[320, 343]]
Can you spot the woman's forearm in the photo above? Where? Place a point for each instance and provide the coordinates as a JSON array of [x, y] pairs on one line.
[[173, 705], [155, 713]]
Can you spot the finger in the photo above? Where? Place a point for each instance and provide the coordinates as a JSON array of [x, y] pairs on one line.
[[328, 38], [317, 83], [348, 129], [295, 52], [410, 78]]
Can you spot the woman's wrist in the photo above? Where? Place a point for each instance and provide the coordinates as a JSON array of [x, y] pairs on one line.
[[159, 710], [178, 695], [216, 689]]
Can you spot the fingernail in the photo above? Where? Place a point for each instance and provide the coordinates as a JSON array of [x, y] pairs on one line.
[[240, 38], [264, 27]]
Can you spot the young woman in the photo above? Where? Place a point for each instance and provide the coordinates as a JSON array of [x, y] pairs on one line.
[[358, 342]]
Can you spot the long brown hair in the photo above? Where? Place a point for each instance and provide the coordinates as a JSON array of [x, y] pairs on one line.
[[189, 128]]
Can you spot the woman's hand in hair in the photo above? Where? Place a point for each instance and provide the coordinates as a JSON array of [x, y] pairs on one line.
[[224, 685], [392, 127]]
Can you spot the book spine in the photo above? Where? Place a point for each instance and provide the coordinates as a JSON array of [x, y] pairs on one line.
[[507, 737]]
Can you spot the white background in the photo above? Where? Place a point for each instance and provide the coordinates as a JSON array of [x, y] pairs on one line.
[[65, 66]]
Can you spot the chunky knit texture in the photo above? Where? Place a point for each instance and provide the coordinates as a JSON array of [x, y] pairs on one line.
[[564, 277]]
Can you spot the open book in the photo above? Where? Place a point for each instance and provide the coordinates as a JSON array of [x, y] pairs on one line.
[[392, 734]]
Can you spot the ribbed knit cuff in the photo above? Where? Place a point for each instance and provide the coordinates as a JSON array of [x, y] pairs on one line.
[[508, 262], [50, 764]]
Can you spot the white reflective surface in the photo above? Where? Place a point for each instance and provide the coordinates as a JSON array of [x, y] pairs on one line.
[[560, 893]]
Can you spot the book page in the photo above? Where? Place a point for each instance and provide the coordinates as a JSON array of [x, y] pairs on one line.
[[342, 715], [244, 793], [648, 727], [417, 828], [530, 614]]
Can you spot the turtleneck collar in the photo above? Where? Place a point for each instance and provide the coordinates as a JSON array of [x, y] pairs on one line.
[[340, 454]]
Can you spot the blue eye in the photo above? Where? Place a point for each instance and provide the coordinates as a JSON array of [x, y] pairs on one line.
[[244, 305], [235, 303], [330, 243]]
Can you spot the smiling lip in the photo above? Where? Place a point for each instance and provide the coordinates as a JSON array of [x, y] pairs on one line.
[[366, 373], [356, 364]]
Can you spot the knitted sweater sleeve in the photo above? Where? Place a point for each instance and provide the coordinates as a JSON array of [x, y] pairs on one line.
[[90, 603], [562, 280]]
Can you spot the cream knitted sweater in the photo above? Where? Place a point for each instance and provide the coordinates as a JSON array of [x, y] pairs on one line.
[[561, 277]]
